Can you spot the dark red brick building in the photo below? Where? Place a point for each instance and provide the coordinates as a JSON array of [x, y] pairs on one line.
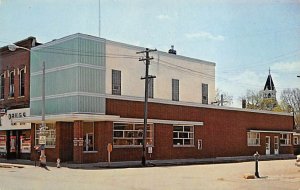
[[14, 99], [206, 132]]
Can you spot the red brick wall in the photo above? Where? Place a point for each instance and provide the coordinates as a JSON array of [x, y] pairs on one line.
[[78, 134], [10, 61], [64, 143], [224, 132]]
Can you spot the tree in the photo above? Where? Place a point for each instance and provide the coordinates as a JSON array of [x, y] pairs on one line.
[[255, 100], [227, 99], [291, 103]]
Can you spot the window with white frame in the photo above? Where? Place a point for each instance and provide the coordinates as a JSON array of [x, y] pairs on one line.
[[183, 135], [22, 82], [285, 139], [116, 82], [131, 134], [88, 136], [11, 84], [296, 140], [49, 132], [253, 139], [2, 86]]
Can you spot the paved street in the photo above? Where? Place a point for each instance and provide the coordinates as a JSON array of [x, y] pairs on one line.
[[281, 174]]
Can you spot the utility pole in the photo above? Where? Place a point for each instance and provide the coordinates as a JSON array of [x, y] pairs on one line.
[[147, 77]]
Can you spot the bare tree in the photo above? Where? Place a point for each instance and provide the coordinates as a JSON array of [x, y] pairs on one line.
[[255, 100], [227, 99], [291, 100]]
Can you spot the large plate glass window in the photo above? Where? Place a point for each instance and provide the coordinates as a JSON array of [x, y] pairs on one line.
[[49, 132], [183, 135], [131, 134]]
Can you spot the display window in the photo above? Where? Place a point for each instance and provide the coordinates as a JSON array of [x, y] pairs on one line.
[[25, 142], [3, 143]]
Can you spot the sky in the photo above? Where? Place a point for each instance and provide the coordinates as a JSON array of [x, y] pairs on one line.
[[244, 38]]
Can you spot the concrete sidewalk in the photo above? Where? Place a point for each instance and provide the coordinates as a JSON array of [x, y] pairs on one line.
[[152, 163]]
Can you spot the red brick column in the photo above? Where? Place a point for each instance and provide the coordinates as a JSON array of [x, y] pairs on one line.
[[78, 142]]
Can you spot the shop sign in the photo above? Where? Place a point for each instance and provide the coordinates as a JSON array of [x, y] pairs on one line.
[[42, 140], [16, 115], [8, 119]]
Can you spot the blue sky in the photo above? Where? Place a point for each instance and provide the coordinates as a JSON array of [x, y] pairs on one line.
[[244, 38]]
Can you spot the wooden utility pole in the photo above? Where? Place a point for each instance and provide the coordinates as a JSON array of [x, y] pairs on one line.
[[147, 77]]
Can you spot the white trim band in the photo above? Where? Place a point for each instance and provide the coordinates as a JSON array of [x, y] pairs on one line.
[[265, 131]]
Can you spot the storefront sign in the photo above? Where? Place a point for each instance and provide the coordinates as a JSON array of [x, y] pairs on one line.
[[16, 115], [8, 119], [42, 140]]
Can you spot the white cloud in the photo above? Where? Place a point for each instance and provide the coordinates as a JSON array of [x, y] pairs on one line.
[[163, 17], [286, 67], [205, 35]]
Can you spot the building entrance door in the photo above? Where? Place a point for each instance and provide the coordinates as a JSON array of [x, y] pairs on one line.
[[276, 145], [268, 145]]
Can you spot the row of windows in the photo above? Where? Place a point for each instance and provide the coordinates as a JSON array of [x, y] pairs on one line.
[[253, 139], [11, 78], [131, 134], [124, 134], [116, 87]]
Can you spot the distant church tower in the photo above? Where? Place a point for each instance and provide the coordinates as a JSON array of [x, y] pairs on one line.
[[269, 91]]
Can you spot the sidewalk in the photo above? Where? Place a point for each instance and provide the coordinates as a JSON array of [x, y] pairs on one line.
[[152, 163]]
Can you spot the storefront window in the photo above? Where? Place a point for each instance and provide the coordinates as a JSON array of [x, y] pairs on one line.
[[183, 135], [2, 142], [88, 136], [25, 142], [49, 132], [131, 134]]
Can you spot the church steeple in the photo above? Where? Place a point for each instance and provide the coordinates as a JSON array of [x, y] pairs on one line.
[[269, 89]]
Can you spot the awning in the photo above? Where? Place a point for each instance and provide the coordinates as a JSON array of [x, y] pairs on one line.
[[266, 131], [99, 117]]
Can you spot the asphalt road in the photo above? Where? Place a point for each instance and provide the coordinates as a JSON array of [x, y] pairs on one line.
[[281, 175]]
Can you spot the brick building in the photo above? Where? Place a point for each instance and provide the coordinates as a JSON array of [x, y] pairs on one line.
[[15, 138], [94, 97]]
